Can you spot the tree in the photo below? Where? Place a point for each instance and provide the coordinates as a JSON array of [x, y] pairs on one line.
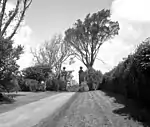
[[36, 72], [86, 37], [52, 53], [12, 19], [8, 57], [9, 24]]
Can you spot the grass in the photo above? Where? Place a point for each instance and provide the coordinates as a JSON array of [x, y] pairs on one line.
[[23, 98]]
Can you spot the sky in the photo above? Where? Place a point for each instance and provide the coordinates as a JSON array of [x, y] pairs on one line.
[[46, 18]]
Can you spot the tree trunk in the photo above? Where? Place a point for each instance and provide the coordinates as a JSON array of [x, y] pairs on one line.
[[89, 66]]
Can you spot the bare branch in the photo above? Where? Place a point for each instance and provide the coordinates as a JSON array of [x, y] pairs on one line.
[[2, 13], [11, 18], [25, 7], [54, 52]]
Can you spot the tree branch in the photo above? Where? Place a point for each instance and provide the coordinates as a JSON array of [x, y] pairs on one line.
[[2, 13], [25, 7], [11, 18]]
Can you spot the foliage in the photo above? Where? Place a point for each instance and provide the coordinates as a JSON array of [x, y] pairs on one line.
[[93, 78], [8, 57], [73, 88], [131, 76], [31, 84], [84, 87], [86, 37], [36, 72], [22, 84], [55, 84]]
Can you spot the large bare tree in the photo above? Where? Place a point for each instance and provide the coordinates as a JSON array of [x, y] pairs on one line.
[[12, 19], [52, 53], [86, 37]]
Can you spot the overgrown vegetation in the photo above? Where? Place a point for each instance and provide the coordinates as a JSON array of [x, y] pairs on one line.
[[93, 78], [131, 76]]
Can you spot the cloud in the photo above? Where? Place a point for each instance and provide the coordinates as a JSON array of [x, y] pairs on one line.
[[134, 22], [133, 10], [24, 37]]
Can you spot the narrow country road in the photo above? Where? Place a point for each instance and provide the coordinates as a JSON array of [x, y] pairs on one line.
[[31, 114], [92, 109]]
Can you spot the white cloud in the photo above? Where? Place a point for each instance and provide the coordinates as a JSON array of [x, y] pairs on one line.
[[134, 22], [23, 37], [134, 10]]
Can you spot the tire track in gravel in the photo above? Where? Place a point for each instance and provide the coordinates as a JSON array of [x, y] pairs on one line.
[[70, 117], [76, 118], [82, 113], [99, 108], [107, 107], [107, 104], [87, 113]]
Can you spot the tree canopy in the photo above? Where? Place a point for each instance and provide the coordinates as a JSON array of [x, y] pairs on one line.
[[8, 57], [36, 72], [86, 37]]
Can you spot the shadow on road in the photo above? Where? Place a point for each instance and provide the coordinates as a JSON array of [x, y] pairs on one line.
[[130, 108], [15, 95], [9, 98]]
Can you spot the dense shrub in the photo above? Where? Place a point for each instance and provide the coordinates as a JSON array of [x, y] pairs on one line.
[[36, 72], [84, 87], [49, 85], [74, 88], [56, 85], [22, 84], [32, 84], [93, 78], [131, 76]]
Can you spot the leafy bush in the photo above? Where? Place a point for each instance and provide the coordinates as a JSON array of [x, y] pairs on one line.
[[84, 87], [36, 72], [32, 84], [74, 88], [8, 57], [56, 85], [49, 85], [131, 76], [93, 78], [22, 84]]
